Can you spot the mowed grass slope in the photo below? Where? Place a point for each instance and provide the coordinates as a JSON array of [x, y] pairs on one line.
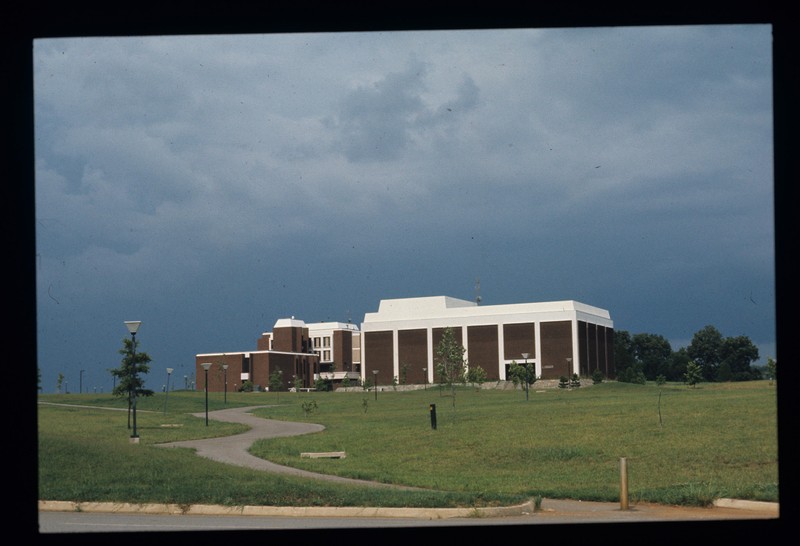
[[682, 445]]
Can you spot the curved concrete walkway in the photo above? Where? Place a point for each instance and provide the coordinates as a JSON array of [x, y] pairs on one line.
[[234, 449]]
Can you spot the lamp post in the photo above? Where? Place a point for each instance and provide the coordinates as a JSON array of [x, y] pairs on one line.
[[375, 374], [80, 384], [527, 373], [569, 374], [133, 327], [169, 372], [206, 366], [425, 373], [225, 368]]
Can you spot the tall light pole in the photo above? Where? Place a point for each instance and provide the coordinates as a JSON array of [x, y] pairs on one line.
[[225, 369], [527, 373], [425, 373], [375, 374], [169, 372], [133, 327], [80, 384], [206, 366]]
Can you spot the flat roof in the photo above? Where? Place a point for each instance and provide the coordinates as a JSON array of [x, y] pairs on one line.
[[445, 307]]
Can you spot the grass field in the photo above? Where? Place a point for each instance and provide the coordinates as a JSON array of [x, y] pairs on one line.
[[682, 445]]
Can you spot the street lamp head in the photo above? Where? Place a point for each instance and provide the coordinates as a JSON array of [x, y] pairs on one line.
[[375, 372], [525, 355], [133, 326], [169, 371], [224, 366], [206, 365]]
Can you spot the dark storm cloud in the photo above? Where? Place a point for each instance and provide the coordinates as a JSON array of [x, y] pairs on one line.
[[209, 185]]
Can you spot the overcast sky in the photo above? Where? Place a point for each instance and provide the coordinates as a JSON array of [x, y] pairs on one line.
[[210, 185]]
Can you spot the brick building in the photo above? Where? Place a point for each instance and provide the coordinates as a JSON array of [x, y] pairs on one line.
[[399, 341], [560, 338], [293, 348]]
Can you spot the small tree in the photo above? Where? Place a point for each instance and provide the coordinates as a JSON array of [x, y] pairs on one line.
[[476, 376], [134, 364], [450, 363], [522, 374], [403, 374], [597, 376], [297, 382], [59, 382], [694, 374], [514, 373], [772, 370], [276, 382]]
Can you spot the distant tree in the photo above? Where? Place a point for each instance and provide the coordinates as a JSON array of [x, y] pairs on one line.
[[450, 363], [633, 374], [623, 354], [694, 374], [738, 354], [130, 372], [653, 353], [705, 349], [59, 382], [38, 379], [677, 366]]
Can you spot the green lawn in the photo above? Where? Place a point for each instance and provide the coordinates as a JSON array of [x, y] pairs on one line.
[[682, 445]]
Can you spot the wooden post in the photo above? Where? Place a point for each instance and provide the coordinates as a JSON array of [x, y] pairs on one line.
[[623, 484]]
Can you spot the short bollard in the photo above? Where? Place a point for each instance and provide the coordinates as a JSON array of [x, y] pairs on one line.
[[623, 484], [433, 416]]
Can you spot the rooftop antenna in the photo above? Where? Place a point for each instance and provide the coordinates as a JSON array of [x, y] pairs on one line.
[[478, 291]]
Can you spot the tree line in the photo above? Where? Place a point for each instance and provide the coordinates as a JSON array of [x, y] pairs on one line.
[[649, 357]]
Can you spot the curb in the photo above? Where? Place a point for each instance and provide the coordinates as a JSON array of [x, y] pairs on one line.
[[747, 505], [285, 511]]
